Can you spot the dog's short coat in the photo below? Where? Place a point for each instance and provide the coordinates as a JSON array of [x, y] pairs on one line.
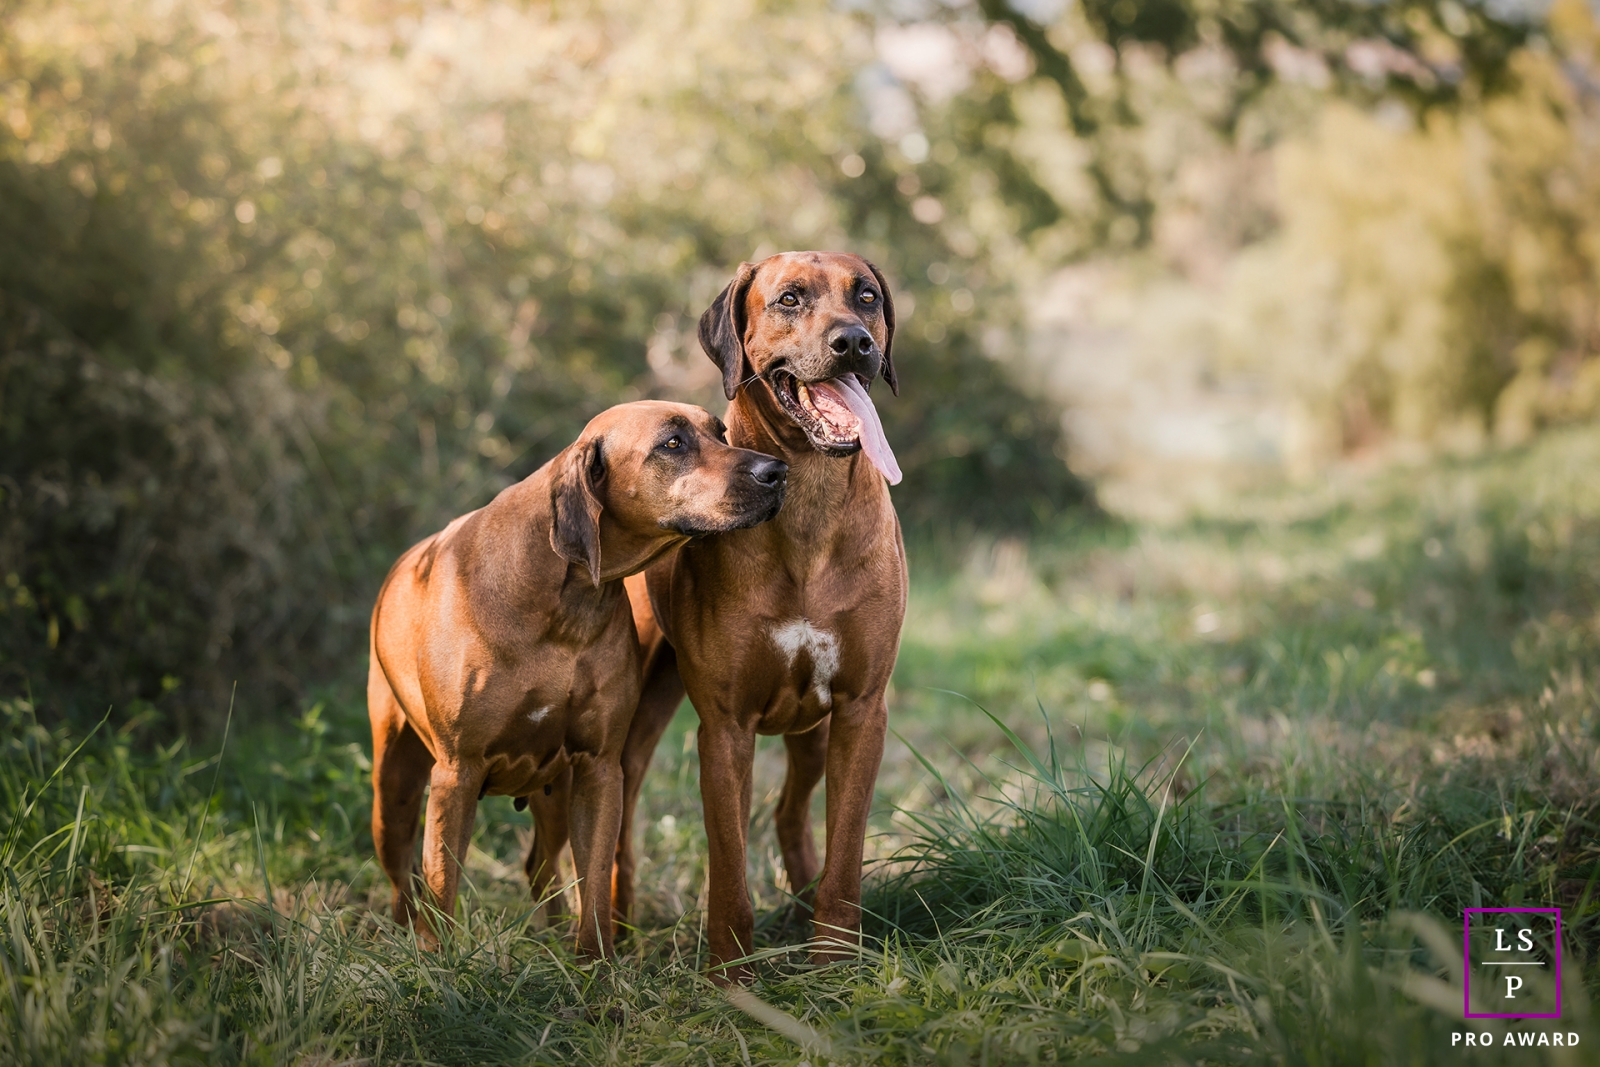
[[791, 627], [504, 656]]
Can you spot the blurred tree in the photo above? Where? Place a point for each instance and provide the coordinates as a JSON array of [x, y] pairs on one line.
[[285, 285], [1435, 283], [1430, 53], [1422, 266]]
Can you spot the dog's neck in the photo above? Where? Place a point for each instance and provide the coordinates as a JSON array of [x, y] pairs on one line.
[[527, 566], [824, 491], [623, 553]]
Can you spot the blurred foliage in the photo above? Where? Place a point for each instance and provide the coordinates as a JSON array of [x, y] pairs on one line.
[[1379, 217], [1108, 59], [1434, 282], [284, 286]]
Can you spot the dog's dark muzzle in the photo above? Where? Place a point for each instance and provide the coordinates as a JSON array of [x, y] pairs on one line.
[[769, 473], [853, 343], [769, 480], [754, 494], [847, 348]]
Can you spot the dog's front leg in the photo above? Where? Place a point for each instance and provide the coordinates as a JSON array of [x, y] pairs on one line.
[[551, 807], [595, 818], [726, 755], [658, 703], [808, 758], [452, 805], [855, 749]]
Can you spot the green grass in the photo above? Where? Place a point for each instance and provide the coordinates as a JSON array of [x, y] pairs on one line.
[[1214, 793]]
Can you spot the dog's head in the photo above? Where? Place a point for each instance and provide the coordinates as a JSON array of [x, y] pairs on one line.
[[643, 477], [815, 329]]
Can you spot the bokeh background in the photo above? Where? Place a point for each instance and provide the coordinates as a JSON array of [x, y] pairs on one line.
[[285, 285]]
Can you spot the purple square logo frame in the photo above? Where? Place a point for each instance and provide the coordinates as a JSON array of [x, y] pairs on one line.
[[1516, 947]]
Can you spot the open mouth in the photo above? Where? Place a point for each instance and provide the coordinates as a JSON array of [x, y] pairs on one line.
[[837, 417], [831, 426]]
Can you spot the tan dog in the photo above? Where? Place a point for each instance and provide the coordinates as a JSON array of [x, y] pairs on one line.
[[504, 658], [789, 628]]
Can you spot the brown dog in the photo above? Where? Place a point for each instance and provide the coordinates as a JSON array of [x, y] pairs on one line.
[[504, 658], [789, 628]]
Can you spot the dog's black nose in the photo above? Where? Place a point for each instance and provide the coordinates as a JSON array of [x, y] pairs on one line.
[[850, 341], [770, 472]]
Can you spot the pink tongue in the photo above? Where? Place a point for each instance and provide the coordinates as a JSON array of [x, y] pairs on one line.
[[873, 443]]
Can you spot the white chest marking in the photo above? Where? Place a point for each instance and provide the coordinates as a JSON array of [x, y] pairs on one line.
[[536, 716], [799, 636]]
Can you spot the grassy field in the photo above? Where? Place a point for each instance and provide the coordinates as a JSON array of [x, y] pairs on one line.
[[1214, 793]]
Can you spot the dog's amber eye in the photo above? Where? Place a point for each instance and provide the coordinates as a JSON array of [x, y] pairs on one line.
[[868, 296], [674, 442], [788, 300]]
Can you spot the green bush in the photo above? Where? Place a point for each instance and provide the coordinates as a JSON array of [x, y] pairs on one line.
[[255, 339]]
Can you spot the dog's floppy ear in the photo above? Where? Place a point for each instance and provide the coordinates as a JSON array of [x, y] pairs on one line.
[[575, 506], [888, 325], [722, 329]]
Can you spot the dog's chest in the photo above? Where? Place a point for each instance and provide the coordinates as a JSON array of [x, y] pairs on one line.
[[810, 655], [530, 751], [806, 659], [784, 635], [556, 704]]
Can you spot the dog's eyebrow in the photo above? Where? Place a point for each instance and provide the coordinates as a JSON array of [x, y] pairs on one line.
[[678, 420]]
